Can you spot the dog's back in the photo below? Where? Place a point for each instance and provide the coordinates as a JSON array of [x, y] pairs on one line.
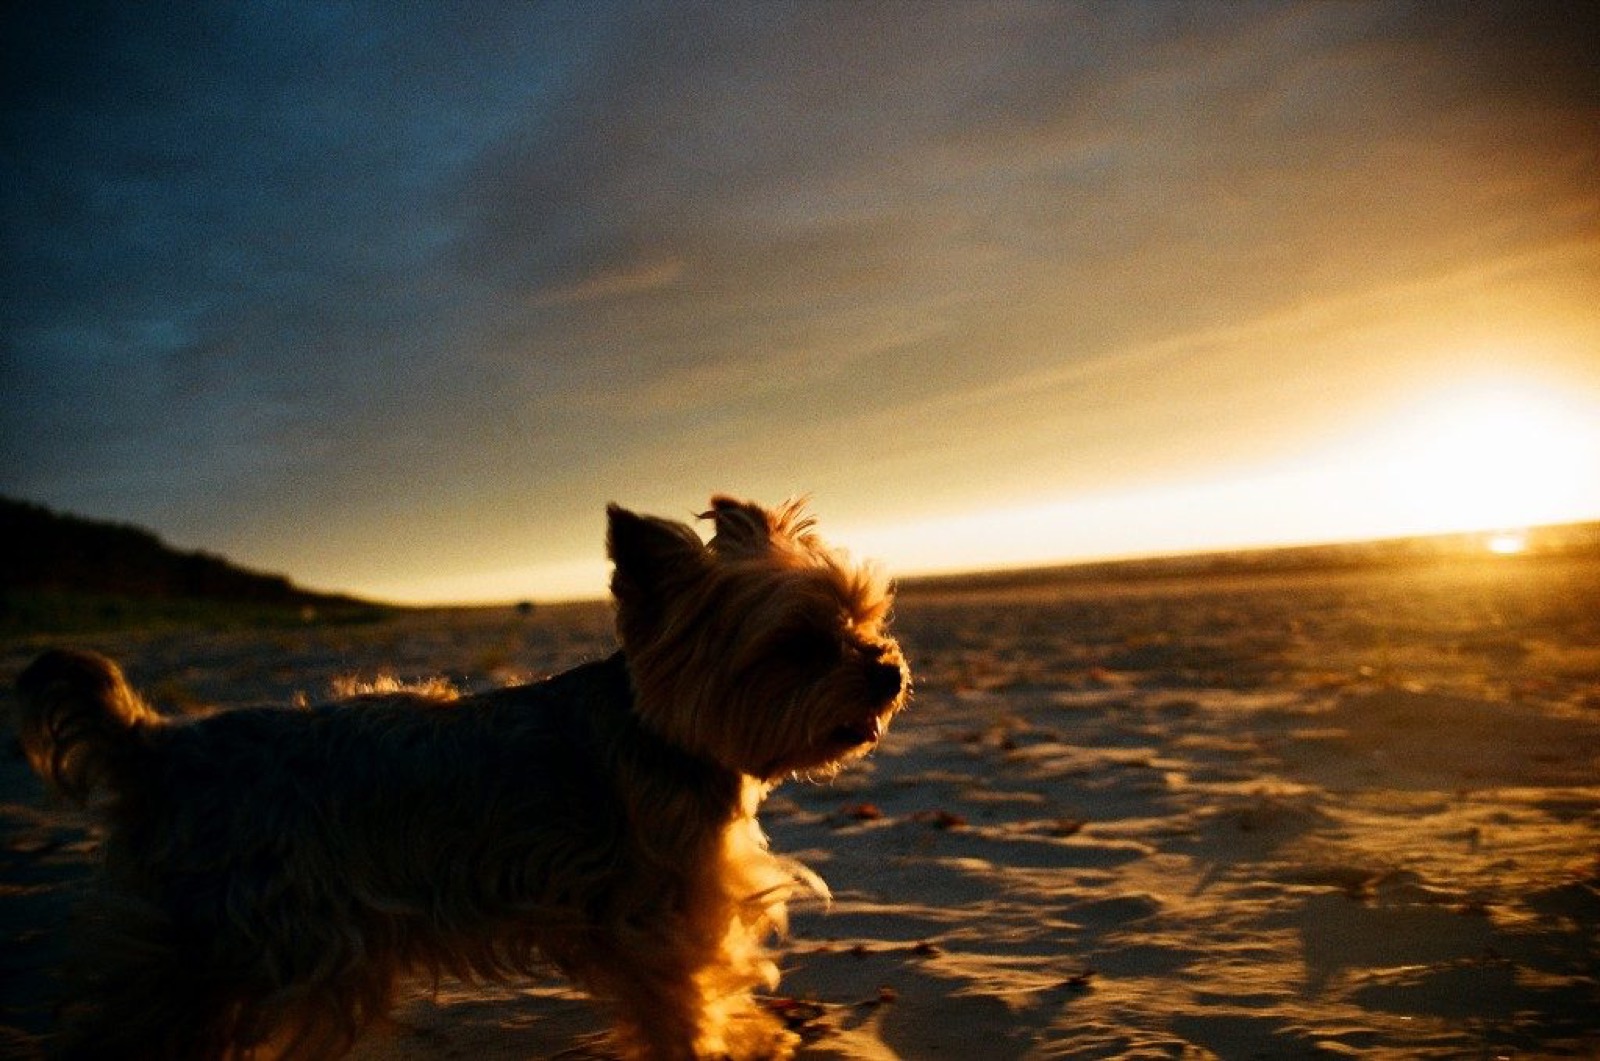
[[268, 872]]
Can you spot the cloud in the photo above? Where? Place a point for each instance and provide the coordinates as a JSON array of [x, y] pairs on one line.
[[222, 239], [273, 261]]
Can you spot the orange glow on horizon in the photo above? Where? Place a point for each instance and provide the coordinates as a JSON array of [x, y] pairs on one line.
[[1489, 455], [1471, 457]]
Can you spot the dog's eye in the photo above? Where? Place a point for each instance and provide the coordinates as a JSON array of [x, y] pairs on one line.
[[809, 648]]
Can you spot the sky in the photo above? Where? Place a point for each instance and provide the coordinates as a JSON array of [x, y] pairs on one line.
[[393, 299]]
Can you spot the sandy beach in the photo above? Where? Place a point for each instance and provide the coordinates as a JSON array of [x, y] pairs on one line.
[[1299, 815]]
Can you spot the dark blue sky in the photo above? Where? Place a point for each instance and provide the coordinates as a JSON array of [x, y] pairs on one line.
[[395, 298]]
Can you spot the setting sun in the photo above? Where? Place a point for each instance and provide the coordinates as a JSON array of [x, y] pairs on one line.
[[1507, 543], [1487, 456], [1492, 456]]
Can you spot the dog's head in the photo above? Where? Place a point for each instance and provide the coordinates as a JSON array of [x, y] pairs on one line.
[[764, 650]]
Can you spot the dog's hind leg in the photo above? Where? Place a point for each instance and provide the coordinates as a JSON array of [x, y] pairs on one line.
[[141, 989], [143, 1006]]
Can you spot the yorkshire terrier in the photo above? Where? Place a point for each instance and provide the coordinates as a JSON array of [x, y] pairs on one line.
[[268, 875]]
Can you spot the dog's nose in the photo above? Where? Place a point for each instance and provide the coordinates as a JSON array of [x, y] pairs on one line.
[[884, 680]]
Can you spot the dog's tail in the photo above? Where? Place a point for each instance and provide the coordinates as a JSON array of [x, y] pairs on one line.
[[79, 720]]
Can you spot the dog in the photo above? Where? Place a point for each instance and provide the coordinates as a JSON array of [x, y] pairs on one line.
[[269, 874]]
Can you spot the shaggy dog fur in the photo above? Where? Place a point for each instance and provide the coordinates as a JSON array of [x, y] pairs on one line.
[[269, 874]]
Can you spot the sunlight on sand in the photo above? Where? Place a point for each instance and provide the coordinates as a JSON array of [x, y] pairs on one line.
[[1348, 813]]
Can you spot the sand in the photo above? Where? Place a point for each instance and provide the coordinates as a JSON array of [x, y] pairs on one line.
[[1293, 816]]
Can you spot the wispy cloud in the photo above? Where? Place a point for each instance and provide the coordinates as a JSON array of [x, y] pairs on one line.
[[263, 262]]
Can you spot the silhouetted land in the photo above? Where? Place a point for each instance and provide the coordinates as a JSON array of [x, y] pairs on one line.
[[61, 573]]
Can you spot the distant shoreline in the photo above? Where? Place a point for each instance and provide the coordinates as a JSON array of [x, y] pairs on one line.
[[68, 575], [1538, 544]]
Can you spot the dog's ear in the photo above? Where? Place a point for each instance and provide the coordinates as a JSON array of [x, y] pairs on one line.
[[649, 554], [744, 528]]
